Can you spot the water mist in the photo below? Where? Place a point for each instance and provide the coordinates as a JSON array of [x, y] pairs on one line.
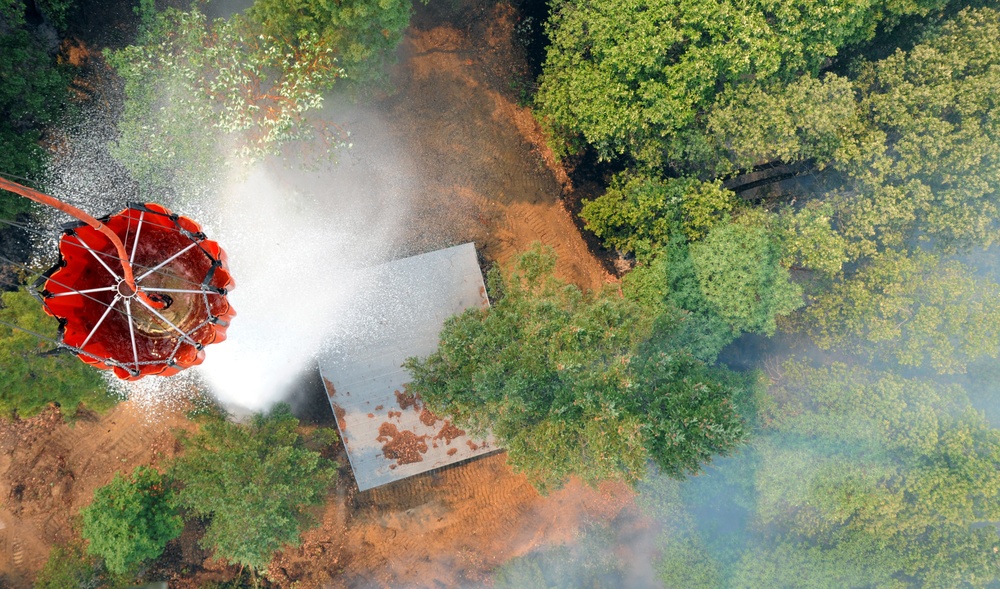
[[296, 241]]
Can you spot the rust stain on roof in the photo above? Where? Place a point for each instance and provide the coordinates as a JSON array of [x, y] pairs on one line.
[[403, 446], [331, 391]]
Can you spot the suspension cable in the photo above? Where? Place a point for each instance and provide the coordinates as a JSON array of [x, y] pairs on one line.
[[76, 213], [106, 255]]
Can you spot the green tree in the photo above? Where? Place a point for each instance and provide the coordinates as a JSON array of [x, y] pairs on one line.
[[562, 379], [639, 213], [199, 92], [916, 310], [667, 288], [632, 78], [34, 94], [808, 239], [362, 34], [855, 478], [255, 481], [131, 520], [879, 478], [927, 166], [740, 275], [34, 373], [807, 119]]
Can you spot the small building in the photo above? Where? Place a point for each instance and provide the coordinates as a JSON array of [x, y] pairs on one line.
[[401, 307]]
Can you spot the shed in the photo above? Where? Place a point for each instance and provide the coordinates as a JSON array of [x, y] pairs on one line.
[[402, 306]]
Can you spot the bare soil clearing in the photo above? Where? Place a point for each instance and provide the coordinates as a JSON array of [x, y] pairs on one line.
[[489, 179], [447, 528], [49, 470]]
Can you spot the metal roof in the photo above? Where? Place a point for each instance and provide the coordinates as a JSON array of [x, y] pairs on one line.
[[403, 305]]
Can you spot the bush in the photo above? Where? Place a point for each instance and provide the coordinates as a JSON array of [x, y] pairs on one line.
[[69, 566], [34, 373], [131, 520], [255, 482]]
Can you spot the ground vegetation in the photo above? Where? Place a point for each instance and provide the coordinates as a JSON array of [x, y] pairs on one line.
[[570, 383], [36, 373], [131, 520], [69, 565], [362, 35], [255, 483]]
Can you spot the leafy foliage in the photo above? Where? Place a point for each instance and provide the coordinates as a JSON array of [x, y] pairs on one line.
[[131, 520], [808, 119], [34, 94], [856, 479], [194, 85], [740, 275], [638, 213], [928, 164], [633, 77], [256, 483], [362, 34], [69, 566], [904, 472], [560, 377], [809, 241], [916, 310], [34, 375]]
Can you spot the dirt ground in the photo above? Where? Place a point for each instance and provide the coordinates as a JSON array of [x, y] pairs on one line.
[[488, 173], [49, 470], [490, 180]]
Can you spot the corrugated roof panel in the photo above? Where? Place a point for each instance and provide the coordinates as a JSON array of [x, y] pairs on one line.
[[388, 434]]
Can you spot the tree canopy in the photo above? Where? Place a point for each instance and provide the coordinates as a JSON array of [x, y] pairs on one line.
[[634, 77], [564, 381], [361, 34], [131, 520], [255, 483], [35, 374], [925, 166], [34, 93], [857, 479], [198, 92], [917, 310], [740, 275]]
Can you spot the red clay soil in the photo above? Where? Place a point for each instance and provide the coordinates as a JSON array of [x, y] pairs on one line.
[[403, 446], [406, 399], [447, 528], [429, 419], [490, 177], [449, 432], [49, 470]]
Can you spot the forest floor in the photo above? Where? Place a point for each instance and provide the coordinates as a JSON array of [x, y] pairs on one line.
[[491, 180]]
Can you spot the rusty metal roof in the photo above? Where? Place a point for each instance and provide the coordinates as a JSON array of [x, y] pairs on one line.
[[401, 308]]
